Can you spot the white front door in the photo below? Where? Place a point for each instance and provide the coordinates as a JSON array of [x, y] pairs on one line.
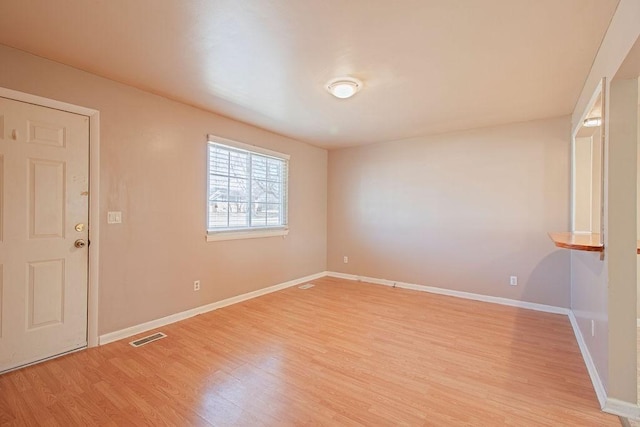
[[44, 184]]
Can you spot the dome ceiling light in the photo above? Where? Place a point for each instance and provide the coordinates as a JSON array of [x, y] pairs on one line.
[[592, 122], [344, 87]]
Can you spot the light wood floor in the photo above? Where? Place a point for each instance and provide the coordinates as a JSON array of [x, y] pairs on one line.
[[341, 353]]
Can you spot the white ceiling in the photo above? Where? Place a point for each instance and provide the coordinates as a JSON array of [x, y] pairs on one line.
[[428, 66]]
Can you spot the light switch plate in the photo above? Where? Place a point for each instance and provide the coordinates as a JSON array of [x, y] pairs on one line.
[[114, 217]]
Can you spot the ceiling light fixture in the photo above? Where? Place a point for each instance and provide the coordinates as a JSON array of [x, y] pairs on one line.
[[344, 87], [592, 122]]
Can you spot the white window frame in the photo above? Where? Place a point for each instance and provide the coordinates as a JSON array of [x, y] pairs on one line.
[[246, 232]]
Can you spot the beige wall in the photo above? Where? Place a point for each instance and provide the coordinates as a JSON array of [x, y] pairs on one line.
[[152, 168], [583, 184], [620, 238], [593, 293], [461, 211], [596, 182]]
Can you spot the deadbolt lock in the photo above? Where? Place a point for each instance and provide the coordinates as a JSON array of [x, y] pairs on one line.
[[79, 227]]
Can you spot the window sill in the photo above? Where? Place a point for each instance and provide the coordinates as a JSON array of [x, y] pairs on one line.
[[246, 234]]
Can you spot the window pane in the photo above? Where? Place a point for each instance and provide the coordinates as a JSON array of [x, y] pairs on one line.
[[259, 214], [258, 167], [274, 170], [218, 188], [238, 164], [218, 214], [274, 195], [273, 214], [258, 191], [238, 215], [238, 190], [219, 160]]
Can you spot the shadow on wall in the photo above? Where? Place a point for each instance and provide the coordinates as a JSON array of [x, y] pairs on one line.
[[547, 281], [545, 273], [585, 259]]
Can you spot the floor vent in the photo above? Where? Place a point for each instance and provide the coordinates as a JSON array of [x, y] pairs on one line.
[[147, 340], [306, 286]]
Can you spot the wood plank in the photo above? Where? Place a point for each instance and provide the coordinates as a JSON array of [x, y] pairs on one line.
[[340, 353]]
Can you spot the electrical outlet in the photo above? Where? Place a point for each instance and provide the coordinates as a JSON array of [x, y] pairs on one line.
[[345, 260], [196, 285], [513, 280], [114, 217]]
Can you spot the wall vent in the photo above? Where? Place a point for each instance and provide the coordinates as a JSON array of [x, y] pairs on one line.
[[306, 286], [147, 340]]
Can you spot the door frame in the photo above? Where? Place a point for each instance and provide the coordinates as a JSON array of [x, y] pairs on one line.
[[94, 197]]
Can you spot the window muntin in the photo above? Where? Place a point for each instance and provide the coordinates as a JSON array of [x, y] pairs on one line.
[[247, 187]]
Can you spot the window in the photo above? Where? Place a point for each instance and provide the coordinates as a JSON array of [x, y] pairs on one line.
[[247, 191]]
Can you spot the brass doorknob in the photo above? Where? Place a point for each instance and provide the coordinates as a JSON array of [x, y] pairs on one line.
[[80, 243]]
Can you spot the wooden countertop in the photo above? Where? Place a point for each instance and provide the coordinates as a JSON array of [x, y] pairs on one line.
[[578, 241], [581, 241]]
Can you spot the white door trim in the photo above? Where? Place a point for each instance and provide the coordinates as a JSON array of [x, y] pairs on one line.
[[94, 196]]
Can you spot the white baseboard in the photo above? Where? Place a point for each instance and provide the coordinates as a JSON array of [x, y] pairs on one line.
[[601, 393], [622, 409], [153, 324], [452, 293]]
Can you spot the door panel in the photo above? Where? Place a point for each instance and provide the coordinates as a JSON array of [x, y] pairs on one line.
[[46, 198], [1, 205], [1, 299], [46, 134], [46, 293], [44, 155]]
